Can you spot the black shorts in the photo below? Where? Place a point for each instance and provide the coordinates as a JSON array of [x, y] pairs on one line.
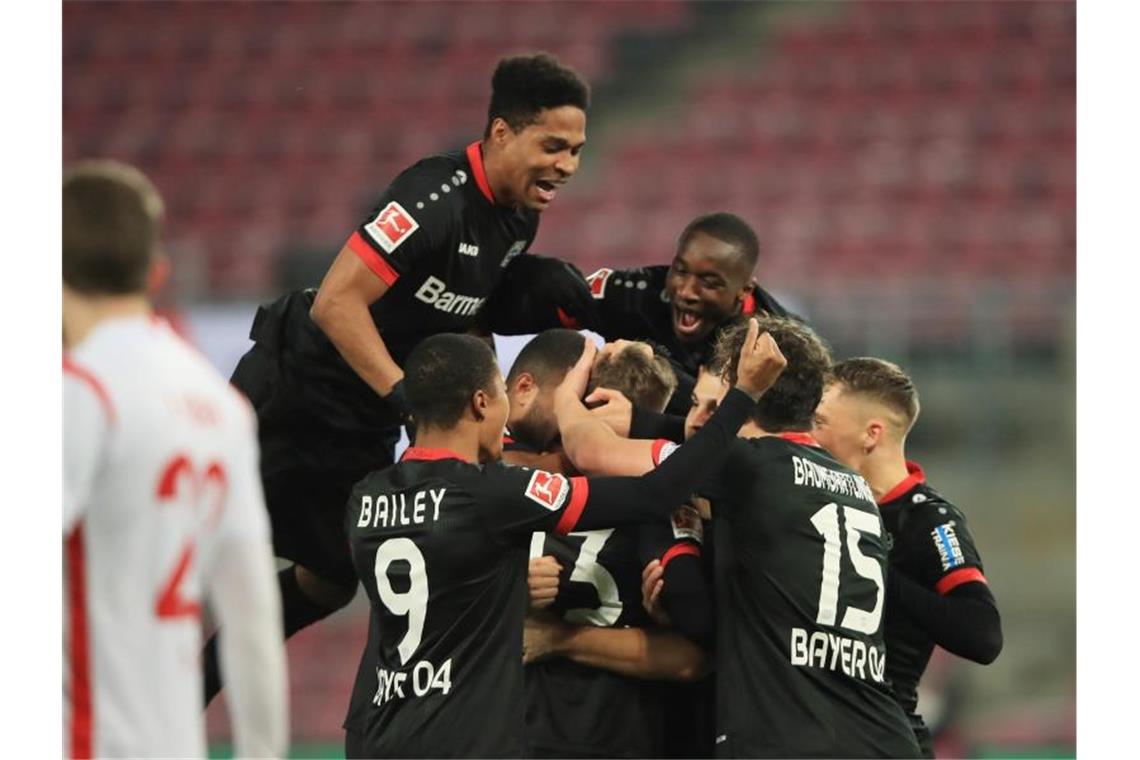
[[309, 464]]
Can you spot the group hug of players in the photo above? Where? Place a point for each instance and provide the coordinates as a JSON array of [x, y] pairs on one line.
[[703, 539]]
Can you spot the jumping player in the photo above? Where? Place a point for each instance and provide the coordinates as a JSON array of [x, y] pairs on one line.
[[440, 542], [162, 504], [325, 372], [936, 592]]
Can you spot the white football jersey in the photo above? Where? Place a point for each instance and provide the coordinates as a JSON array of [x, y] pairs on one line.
[[161, 492]]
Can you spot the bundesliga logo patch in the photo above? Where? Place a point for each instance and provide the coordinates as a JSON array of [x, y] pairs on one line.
[[946, 541], [687, 524], [547, 488], [392, 226], [598, 281]]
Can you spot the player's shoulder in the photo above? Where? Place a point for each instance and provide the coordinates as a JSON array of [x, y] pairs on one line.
[[435, 181], [926, 506], [607, 281]]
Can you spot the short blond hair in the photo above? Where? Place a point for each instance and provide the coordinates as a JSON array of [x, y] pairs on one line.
[[882, 381]]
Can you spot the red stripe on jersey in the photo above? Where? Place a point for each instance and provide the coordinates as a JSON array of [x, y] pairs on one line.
[[84, 374], [953, 580], [578, 497], [78, 655], [417, 454], [475, 158], [749, 306], [915, 477], [679, 550], [801, 438], [566, 320], [373, 260]]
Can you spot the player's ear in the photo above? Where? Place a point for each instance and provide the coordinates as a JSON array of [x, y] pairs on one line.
[[873, 434], [158, 274], [479, 403], [501, 131]]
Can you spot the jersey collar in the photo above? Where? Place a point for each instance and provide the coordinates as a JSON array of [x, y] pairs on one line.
[[417, 454], [915, 477], [475, 158], [803, 439], [749, 306]]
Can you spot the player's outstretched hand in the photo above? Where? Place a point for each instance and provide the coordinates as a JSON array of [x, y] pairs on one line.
[[761, 362], [652, 583], [542, 579], [578, 377], [613, 408]]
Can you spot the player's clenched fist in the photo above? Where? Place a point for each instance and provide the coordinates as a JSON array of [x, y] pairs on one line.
[[760, 363], [542, 579]]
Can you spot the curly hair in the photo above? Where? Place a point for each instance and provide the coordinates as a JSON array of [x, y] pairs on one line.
[[790, 403], [524, 85]]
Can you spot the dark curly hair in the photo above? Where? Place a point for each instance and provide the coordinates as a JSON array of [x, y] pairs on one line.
[[790, 403], [524, 85]]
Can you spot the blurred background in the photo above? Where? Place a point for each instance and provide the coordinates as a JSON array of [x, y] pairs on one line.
[[908, 166]]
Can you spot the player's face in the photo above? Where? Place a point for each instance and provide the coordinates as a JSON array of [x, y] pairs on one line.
[[706, 285], [494, 423], [542, 157], [839, 426], [707, 394]]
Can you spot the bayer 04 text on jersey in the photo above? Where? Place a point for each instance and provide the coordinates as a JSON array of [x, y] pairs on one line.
[[419, 680]]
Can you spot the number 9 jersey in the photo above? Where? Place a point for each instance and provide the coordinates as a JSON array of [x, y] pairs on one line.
[[801, 560]]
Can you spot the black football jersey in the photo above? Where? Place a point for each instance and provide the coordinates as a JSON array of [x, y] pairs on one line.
[[632, 304], [801, 561], [929, 542], [441, 547], [440, 242], [574, 709]]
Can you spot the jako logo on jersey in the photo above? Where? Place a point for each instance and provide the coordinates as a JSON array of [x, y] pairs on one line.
[[435, 293], [468, 250], [515, 250], [598, 282], [946, 541], [392, 226], [547, 488]]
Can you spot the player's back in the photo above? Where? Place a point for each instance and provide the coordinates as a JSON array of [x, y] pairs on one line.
[[800, 573], [174, 444], [445, 573]]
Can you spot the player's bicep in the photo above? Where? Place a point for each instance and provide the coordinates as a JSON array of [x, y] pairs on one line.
[[519, 501], [87, 419]]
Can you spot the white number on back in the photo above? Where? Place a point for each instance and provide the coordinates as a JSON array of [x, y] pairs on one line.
[[826, 522], [413, 602]]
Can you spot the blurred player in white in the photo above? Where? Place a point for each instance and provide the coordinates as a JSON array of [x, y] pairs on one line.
[[162, 504]]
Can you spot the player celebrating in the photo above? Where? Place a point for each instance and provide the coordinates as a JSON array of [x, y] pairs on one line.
[[162, 503], [325, 373], [800, 574], [936, 593], [440, 543]]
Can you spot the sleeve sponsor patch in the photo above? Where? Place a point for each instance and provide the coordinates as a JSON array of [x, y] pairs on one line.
[[946, 542], [662, 449], [598, 281], [687, 524], [548, 489], [392, 226]]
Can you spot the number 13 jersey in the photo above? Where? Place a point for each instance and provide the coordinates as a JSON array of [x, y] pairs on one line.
[[801, 559]]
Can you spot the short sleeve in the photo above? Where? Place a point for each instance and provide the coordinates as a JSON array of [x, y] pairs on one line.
[[411, 220], [88, 417], [946, 553], [522, 500]]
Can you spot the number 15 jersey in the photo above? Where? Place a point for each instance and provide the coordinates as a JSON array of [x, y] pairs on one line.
[[801, 560]]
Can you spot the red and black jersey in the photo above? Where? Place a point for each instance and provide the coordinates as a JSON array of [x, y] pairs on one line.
[[441, 547], [800, 562], [930, 543], [575, 709], [440, 242]]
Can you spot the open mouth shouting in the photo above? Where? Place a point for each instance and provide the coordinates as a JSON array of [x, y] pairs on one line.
[[687, 322], [547, 189]]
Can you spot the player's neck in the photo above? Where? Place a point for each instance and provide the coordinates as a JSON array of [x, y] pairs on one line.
[[83, 313], [493, 170], [463, 439], [884, 469]]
